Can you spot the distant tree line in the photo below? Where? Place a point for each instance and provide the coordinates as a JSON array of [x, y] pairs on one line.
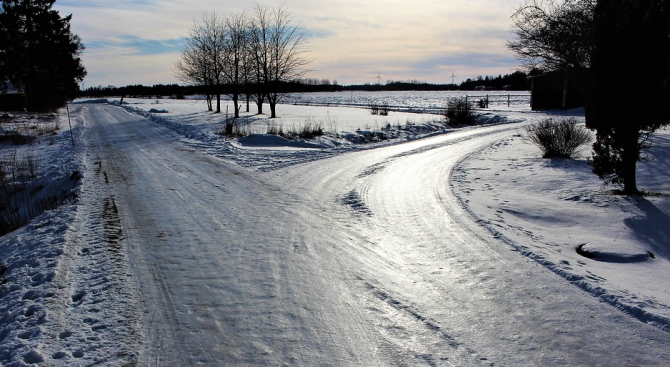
[[517, 81], [138, 90]]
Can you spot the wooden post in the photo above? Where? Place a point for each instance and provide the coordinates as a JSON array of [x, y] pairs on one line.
[[67, 106]]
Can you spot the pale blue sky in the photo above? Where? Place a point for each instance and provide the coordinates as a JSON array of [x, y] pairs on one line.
[[137, 42]]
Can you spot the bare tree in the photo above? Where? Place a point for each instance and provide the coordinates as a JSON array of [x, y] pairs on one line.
[[556, 35], [278, 53], [256, 56], [194, 69], [553, 34], [259, 55], [234, 57], [203, 58], [248, 66]]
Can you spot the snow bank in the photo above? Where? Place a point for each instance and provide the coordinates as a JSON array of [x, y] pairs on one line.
[[65, 296], [274, 141], [558, 213], [31, 256]]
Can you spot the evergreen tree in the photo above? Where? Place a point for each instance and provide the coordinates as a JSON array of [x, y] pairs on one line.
[[631, 35], [39, 53]]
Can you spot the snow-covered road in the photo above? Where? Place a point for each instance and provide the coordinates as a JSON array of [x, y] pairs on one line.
[[363, 259]]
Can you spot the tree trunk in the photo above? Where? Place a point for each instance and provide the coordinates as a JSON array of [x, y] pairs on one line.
[[273, 110], [237, 110], [630, 157], [248, 101], [218, 102], [209, 103], [259, 102]]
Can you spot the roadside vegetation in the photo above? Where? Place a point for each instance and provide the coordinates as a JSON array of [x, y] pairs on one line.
[[381, 109], [561, 138], [460, 112], [24, 189]]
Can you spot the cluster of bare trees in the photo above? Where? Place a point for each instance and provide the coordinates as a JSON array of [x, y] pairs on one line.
[[248, 55]]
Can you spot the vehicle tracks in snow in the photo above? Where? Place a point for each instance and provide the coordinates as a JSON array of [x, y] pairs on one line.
[[412, 338], [232, 269], [364, 258], [425, 264]]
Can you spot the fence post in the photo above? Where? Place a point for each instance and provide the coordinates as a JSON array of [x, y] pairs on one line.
[[508, 100], [67, 106]]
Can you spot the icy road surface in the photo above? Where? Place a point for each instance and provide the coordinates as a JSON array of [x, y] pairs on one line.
[[364, 259]]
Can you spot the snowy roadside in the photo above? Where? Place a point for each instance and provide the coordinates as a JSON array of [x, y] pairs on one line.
[[547, 209], [63, 299]]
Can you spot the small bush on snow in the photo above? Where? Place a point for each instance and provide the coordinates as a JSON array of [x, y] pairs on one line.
[[460, 112], [558, 139]]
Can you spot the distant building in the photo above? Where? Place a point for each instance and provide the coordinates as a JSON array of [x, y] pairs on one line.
[[552, 91]]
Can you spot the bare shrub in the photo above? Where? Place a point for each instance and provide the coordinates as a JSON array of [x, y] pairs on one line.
[[241, 130], [460, 112], [384, 109], [18, 190], [307, 130], [558, 138], [379, 109], [310, 131], [235, 128], [274, 129], [16, 138]]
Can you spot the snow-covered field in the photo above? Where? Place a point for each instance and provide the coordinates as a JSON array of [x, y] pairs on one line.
[[409, 100], [370, 267]]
